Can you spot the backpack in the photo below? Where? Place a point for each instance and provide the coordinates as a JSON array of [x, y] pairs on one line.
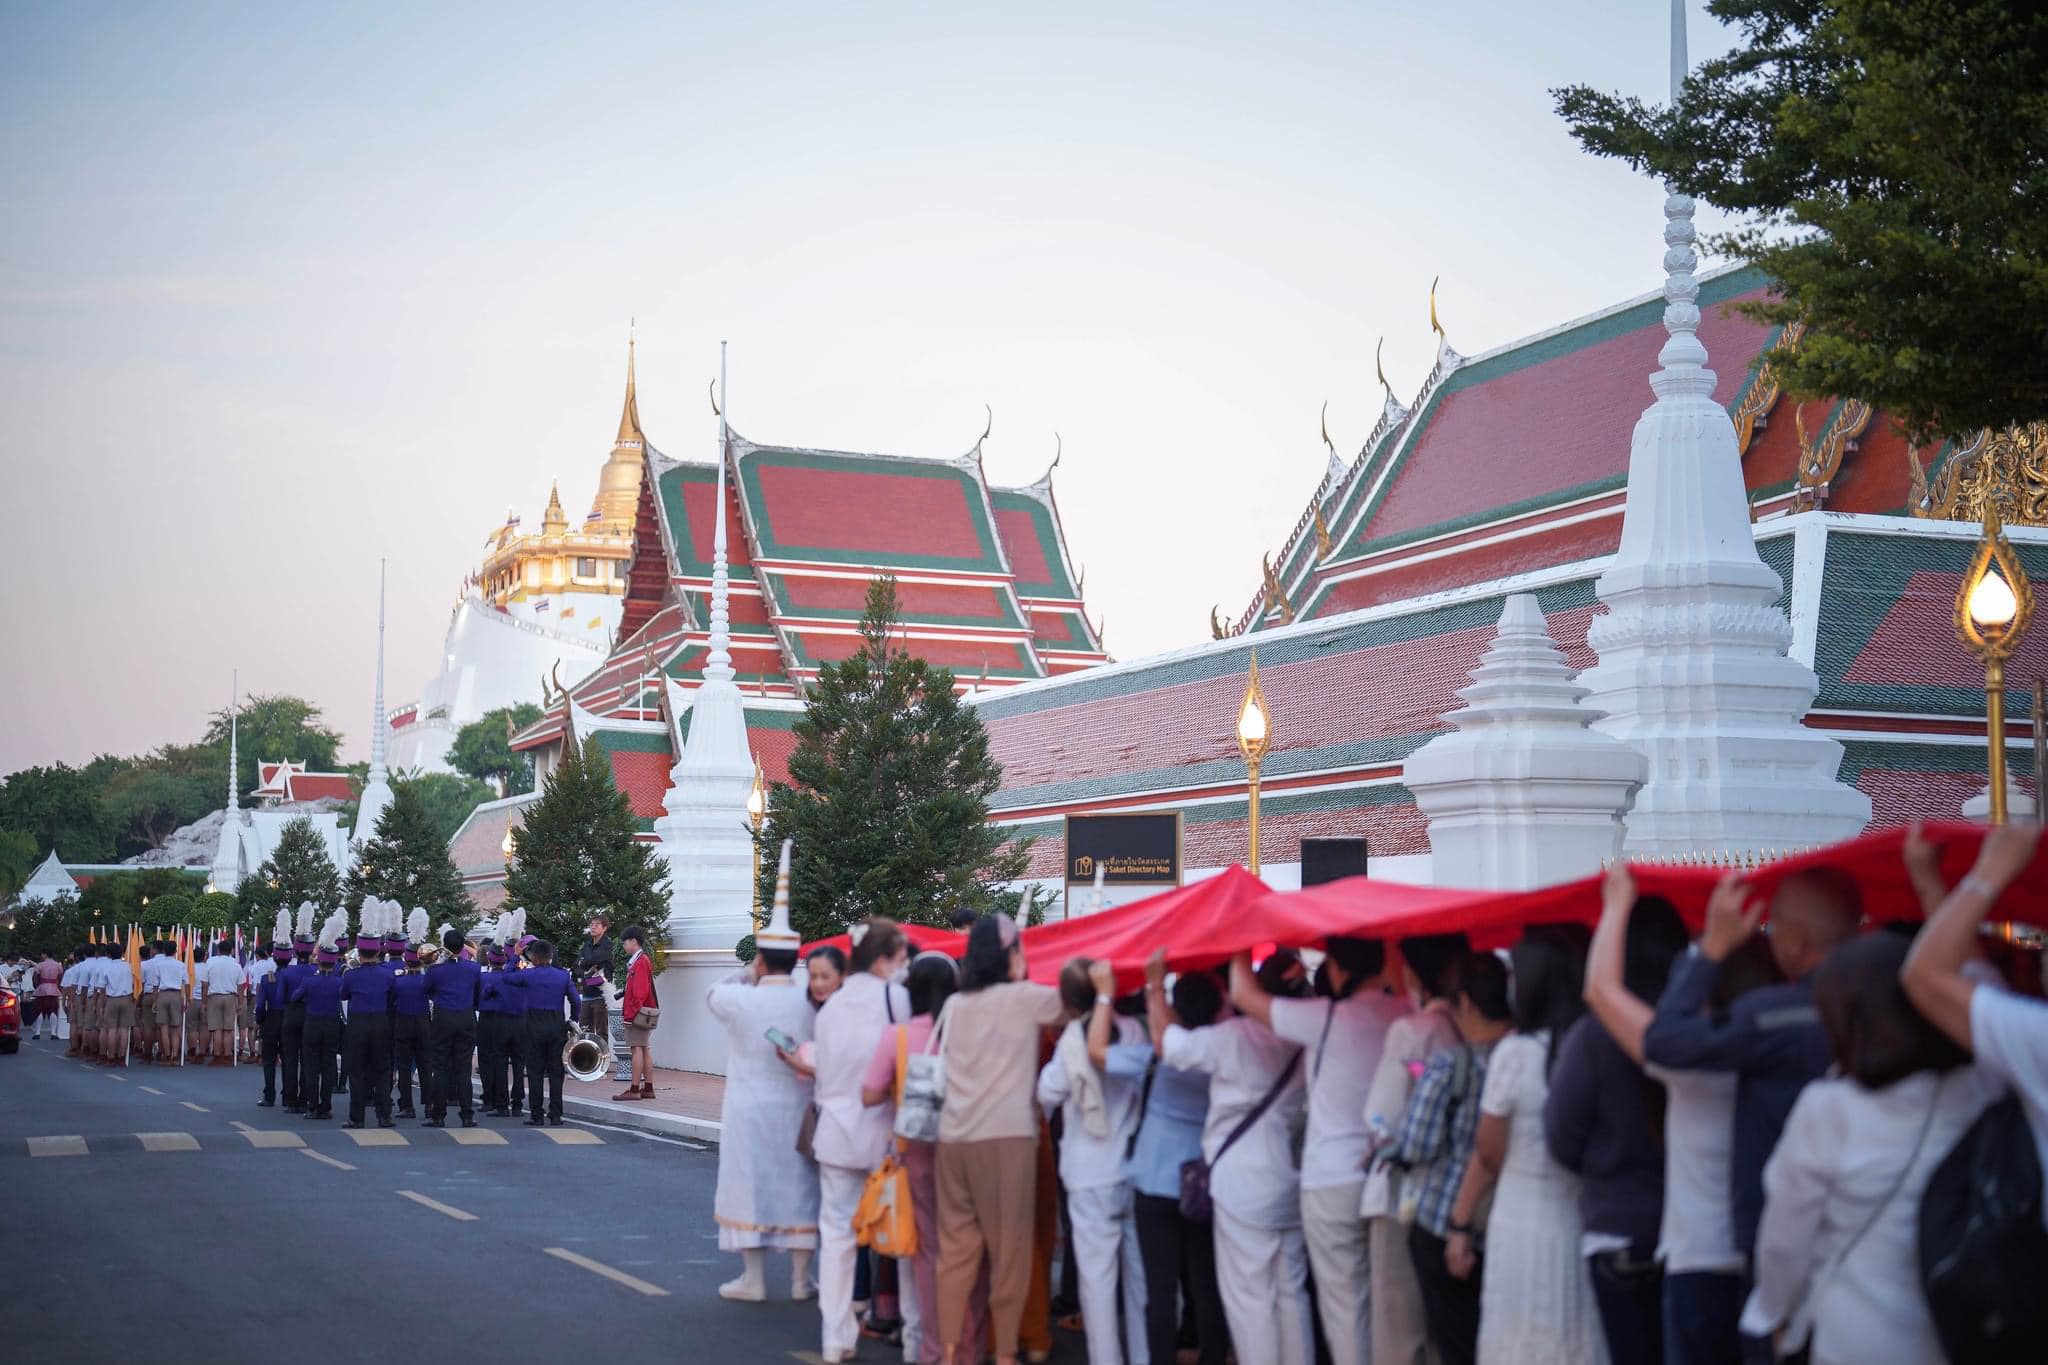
[[1982, 1244]]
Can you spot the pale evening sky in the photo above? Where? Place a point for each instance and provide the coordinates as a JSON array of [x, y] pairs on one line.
[[284, 290]]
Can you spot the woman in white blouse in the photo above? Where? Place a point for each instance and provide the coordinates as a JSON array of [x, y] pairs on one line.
[[1836, 1260]]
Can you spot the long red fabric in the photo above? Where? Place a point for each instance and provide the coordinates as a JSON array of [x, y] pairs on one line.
[[1206, 922]]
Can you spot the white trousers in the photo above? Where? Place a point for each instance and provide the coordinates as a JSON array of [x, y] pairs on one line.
[[1337, 1254], [913, 1312], [838, 1197], [1106, 1251], [1262, 1278]]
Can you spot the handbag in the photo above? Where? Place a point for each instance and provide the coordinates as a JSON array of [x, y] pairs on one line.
[[921, 1088], [807, 1133], [884, 1220], [1196, 1205], [647, 1016]]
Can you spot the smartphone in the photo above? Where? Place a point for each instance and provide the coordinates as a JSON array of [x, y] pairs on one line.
[[781, 1041]]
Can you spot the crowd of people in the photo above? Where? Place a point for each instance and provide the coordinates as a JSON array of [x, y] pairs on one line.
[[1623, 1144]]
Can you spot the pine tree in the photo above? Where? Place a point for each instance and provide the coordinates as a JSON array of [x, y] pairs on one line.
[[575, 853], [298, 869], [888, 795], [406, 860]]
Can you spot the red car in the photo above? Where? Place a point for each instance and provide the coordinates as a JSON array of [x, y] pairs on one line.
[[10, 1020]]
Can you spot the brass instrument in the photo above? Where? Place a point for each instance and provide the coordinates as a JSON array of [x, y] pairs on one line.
[[587, 1056]]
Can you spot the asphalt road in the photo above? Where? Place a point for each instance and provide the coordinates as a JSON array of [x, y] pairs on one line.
[[158, 1215]]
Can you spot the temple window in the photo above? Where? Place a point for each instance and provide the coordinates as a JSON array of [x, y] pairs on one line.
[[586, 568]]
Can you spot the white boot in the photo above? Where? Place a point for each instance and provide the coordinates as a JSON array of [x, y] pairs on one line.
[[752, 1285], [801, 1287]]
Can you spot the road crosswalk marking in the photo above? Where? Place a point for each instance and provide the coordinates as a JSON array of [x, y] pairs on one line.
[[325, 1159], [168, 1142], [377, 1137], [572, 1137], [195, 1108], [273, 1137], [56, 1146], [476, 1137], [151, 1090], [459, 1215], [633, 1282]]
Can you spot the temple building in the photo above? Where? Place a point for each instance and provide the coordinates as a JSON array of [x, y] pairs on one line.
[[540, 606]]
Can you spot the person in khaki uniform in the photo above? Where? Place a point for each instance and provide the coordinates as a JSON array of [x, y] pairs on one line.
[[220, 983], [145, 1000], [118, 1012], [170, 1004]]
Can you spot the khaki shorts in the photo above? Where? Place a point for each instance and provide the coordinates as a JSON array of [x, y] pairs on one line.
[[246, 1015], [145, 1006], [636, 1036], [220, 1011], [170, 1008], [119, 1012], [195, 1014]]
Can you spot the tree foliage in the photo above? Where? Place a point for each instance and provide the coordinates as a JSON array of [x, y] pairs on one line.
[[1891, 158], [888, 794], [448, 798], [575, 853], [58, 806], [272, 729], [483, 749], [298, 869], [406, 860]]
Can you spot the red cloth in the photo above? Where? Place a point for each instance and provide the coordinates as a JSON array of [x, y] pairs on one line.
[[639, 988], [923, 938]]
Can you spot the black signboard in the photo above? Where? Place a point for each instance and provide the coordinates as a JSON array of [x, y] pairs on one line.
[[1130, 850]]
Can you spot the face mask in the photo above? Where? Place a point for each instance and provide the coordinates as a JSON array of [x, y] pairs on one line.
[[901, 976]]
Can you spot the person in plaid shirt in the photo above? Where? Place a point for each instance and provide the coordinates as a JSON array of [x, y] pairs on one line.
[[1436, 1138]]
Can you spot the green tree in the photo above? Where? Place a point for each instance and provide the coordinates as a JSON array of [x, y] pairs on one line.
[[273, 729], [575, 852], [149, 798], [1888, 157], [406, 860], [173, 908], [298, 869], [59, 807], [130, 897], [55, 927], [448, 797], [888, 795], [219, 910], [483, 749], [18, 861]]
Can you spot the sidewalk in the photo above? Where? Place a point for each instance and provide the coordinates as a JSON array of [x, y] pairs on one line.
[[686, 1104]]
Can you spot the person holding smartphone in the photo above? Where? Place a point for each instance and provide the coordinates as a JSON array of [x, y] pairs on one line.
[[767, 1190]]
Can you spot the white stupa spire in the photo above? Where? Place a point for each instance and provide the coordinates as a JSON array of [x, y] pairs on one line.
[[377, 786], [235, 747], [719, 664], [1693, 669], [228, 870]]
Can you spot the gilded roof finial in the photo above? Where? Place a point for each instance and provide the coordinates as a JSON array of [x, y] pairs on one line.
[[629, 416], [986, 428], [1216, 630], [1059, 448], [1276, 595], [1379, 365], [1322, 534], [1434, 325], [1326, 427], [713, 390], [554, 519]]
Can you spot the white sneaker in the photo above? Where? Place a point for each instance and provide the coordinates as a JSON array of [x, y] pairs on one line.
[[743, 1290]]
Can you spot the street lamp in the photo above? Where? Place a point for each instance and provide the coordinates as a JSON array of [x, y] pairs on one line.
[[1993, 609], [1253, 728], [757, 806]]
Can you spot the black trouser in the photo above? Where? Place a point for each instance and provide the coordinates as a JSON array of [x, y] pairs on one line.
[[454, 1037], [1179, 1254], [369, 1066], [409, 1053], [341, 1058], [1701, 1309], [547, 1033], [293, 1041], [490, 1057], [1449, 1305], [1628, 1284], [515, 1058], [270, 1034], [317, 1070]]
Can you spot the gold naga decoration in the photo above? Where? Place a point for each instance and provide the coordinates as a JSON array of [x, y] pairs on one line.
[[1379, 366], [1322, 534], [1819, 461], [1326, 427], [1764, 392], [1217, 630], [1276, 596], [1434, 325], [2004, 473], [715, 412]]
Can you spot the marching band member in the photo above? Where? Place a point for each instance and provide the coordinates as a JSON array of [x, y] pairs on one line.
[[292, 1034], [454, 990], [492, 1029], [409, 1025], [320, 994], [270, 1006], [544, 990], [366, 991]]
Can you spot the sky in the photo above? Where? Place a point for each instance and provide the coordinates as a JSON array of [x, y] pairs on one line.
[[285, 290]]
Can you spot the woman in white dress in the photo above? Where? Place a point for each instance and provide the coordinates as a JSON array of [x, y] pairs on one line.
[[1536, 1303]]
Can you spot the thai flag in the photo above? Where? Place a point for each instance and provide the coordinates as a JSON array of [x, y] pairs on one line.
[[541, 605]]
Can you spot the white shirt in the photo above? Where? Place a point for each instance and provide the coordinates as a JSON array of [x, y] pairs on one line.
[[221, 975], [1088, 1162], [170, 973], [1698, 1232], [1255, 1182], [89, 975], [1340, 1070], [69, 980], [1836, 1172], [2010, 1036], [851, 1134], [119, 980], [257, 972]]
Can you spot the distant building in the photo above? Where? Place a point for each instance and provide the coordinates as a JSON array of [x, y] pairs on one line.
[[289, 783]]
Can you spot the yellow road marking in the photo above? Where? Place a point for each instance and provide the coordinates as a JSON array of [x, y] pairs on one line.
[[168, 1142], [56, 1146], [273, 1137], [195, 1108], [459, 1215], [652, 1291], [572, 1137], [475, 1137], [377, 1137], [325, 1159]]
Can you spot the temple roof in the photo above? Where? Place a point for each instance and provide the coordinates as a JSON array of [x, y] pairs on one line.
[[1517, 458]]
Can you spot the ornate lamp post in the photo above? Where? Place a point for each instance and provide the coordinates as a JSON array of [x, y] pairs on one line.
[[1253, 729], [757, 806], [1993, 609]]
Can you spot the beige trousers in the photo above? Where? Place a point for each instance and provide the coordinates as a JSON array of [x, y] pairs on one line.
[[986, 1193], [1399, 1334], [1337, 1257]]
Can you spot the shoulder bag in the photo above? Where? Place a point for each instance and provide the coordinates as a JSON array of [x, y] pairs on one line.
[[921, 1091], [1195, 1203], [649, 1014]]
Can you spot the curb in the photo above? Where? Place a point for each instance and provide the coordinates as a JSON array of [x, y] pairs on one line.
[[637, 1116]]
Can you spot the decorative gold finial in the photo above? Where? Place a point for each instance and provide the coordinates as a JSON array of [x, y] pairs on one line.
[[629, 415], [1276, 596], [561, 692], [1326, 427], [1434, 325], [1379, 365], [987, 427], [1216, 630], [1322, 534], [1059, 448], [712, 389]]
